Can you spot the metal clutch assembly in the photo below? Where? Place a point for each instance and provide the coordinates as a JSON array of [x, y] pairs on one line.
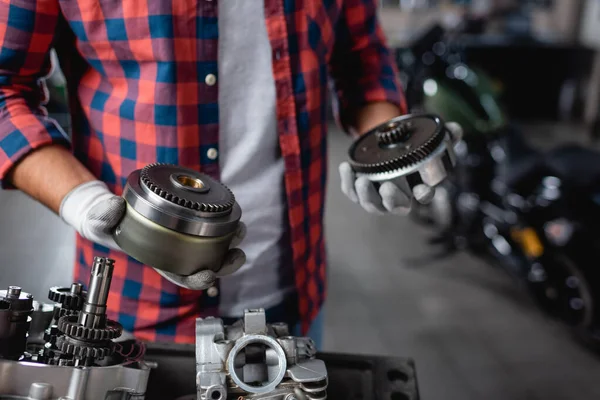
[[76, 357], [415, 148], [177, 219], [251, 360]]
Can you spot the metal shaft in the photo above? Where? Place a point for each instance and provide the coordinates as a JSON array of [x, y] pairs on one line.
[[16, 308], [93, 314]]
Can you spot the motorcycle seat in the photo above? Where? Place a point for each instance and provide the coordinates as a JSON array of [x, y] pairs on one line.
[[575, 164]]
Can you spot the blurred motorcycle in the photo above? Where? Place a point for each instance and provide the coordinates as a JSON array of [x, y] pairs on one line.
[[535, 214]]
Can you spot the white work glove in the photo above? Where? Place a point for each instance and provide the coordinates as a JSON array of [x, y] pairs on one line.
[[94, 211], [389, 198]]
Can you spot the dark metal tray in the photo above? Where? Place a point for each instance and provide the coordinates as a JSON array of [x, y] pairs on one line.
[[351, 377]]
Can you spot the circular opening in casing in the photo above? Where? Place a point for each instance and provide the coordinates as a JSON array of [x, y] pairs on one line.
[[257, 363], [188, 181]]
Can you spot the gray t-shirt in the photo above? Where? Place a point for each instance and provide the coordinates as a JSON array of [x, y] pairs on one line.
[[251, 162]]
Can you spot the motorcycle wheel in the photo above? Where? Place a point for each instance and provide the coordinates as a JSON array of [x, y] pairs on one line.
[[563, 291]]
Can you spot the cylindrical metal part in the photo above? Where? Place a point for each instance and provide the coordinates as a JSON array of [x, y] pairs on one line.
[[40, 391], [93, 314], [177, 219], [41, 319], [13, 292], [76, 288], [16, 308]]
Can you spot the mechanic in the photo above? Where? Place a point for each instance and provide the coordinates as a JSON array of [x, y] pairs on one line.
[[226, 87]]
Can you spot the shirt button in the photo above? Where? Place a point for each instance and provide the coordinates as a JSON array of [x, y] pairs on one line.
[[210, 79], [277, 54], [212, 291], [212, 153]]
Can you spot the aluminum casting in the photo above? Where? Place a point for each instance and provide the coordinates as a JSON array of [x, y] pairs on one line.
[[254, 360]]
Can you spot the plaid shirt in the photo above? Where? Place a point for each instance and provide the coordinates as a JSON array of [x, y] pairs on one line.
[[139, 93]]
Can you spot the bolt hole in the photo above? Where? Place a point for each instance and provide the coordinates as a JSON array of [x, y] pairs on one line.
[[216, 395], [397, 375], [399, 396]]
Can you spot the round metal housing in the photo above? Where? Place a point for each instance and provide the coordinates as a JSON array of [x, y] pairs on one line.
[[177, 219], [415, 148]]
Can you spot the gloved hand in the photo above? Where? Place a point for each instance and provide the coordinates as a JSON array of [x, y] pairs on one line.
[[234, 259], [94, 211], [390, 197]]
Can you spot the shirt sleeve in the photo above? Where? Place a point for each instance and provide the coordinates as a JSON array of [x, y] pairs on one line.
[[27, 30], [362, 67]]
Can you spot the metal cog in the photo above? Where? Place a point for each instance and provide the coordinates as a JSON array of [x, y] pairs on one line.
[[65, 298], [69, 326], [393, 132], [84, 350], [61, 312], [408, 159], [180, 200]]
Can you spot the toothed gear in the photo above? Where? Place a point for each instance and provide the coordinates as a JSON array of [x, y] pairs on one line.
[[61, 312], [420, 137], [393, 132], [153, 177], [69, 326], [65, 298], [84, 350]]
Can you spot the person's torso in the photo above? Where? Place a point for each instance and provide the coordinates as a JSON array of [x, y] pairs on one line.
[[151, 93]]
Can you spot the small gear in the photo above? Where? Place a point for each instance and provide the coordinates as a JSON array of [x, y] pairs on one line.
[[69, 326], [85, 350], [397, 144], [156, 177], [393, 132], [59, 312], [66, 298]]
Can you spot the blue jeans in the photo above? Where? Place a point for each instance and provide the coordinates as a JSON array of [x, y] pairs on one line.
[[315, 331]]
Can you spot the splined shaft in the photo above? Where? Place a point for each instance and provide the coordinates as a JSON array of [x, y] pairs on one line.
[[93, 314], [88, 337]]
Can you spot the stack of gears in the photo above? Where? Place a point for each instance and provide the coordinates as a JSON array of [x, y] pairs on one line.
[[80, 333]]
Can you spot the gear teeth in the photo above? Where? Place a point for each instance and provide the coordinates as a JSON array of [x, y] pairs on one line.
[[65, 298], [69, 326], [61, 312], [413, 157], [83, 350], [204, 207]]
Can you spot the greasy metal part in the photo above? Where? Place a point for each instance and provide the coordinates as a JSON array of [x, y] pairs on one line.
[[26, 380], [87, 336], [177, 220], [70, 298], [69, 365], [253, 360], [16, 308], [41, 318], [93, 314], [410, 149]]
